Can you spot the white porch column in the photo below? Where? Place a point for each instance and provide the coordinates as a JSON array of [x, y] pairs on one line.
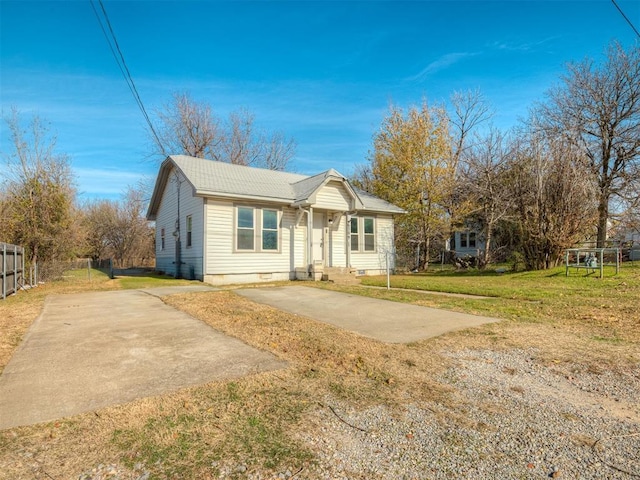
[[310, 237]]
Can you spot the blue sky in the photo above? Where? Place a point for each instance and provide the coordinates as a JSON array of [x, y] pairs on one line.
[[323, 73]]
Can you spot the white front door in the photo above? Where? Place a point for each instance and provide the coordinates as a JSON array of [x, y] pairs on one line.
[[318, 237]]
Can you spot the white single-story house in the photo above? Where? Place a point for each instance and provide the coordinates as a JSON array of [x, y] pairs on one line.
[[224, 223]]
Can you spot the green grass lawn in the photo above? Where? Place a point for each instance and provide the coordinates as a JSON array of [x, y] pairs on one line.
[[610, 305]]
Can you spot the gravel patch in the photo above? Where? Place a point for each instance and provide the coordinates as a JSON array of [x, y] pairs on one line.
[[512, 417], [515, 418]]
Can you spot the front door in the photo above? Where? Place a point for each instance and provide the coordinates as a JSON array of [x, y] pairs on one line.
[[318, 237]]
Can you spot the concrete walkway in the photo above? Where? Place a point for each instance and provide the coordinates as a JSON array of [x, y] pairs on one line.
[[382, 320], [92, 350]]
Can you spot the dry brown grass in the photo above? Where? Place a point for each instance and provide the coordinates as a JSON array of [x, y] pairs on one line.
[[253, 420], [18, 312]]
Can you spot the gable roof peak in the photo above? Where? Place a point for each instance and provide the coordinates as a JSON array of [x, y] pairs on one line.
[[333, 173]]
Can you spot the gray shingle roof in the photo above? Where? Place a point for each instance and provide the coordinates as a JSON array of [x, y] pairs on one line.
[[212, 178]]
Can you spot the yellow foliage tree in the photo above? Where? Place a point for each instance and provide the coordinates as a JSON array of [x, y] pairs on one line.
[[412, 167]]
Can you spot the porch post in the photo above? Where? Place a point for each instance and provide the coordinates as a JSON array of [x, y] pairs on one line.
[[310, 238], [347, 236]]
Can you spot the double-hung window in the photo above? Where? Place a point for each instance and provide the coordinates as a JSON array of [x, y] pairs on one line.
[[189, 229], [355, 237], [257, 229], [269, 229], [468, 240], [245, 228], [369, 234], [363, 234]]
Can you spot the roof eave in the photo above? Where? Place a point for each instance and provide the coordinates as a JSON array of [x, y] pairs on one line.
[[238, 196]]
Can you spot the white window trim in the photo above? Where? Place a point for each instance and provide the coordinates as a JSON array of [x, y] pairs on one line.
[[189, 230], [263, 229], [361, 234], [237, 227], [258, 222]]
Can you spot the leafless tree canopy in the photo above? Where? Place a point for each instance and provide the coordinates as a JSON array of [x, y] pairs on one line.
[[484, 177], [469, 110], [597, 110], [118, 229], [554, 200], [191, 128]]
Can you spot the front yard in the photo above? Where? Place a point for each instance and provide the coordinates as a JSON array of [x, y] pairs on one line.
[[550, 390]]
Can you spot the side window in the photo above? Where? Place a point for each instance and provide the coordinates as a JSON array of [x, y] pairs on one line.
[[245, 228], [472, 239], [355, 238], [369, 234], [189, 225], [162, 238], [269, 230], [463, 240]]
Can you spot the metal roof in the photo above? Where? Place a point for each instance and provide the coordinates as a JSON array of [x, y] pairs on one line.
[[220, 179]]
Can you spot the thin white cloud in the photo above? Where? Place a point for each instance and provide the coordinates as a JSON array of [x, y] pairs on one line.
[[105, 182], [440, 64], [521, 46]]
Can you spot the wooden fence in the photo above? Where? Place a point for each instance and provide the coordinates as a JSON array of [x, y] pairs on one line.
[[11, 269]]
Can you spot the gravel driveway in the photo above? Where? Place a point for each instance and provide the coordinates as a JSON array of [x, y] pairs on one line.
[[516, 419]]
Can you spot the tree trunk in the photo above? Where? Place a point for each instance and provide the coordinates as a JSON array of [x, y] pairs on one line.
[[603, 217], [487, 246]]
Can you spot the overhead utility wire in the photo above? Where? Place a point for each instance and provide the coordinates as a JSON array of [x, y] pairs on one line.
[[122, 65], [626, 18]]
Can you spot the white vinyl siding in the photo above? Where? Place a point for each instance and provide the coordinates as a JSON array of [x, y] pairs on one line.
[[333, 196], [337, 243], [191, 259], [375, 261], [223, 258]]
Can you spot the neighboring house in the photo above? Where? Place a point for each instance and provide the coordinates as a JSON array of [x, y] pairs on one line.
[[466, 243], [224, 223]]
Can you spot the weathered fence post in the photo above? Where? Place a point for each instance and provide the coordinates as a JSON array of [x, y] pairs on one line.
[[4, 271]]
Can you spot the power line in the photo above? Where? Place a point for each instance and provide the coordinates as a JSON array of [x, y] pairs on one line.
[[626, 18], [122, 65]]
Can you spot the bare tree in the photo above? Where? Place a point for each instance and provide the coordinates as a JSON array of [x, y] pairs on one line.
[[470, 109], [278, 151], [187, 127], [484, 173], [118, 229], [597, 109], [191, 128], [554, 201], [39, 192]]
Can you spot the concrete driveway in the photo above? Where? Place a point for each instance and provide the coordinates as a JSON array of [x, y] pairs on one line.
[[382, 320], [92, 350]]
